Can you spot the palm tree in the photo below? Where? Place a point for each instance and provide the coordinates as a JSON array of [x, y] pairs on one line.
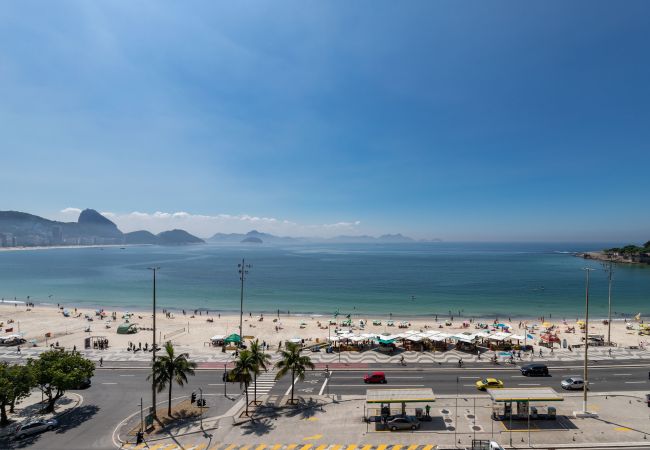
[[244, 367], [169, 368], [261, 359], [292, 361]]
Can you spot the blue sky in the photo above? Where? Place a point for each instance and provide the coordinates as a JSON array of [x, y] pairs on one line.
[[458, 120]]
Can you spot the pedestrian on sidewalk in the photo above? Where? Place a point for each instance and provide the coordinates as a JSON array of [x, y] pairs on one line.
[[18, 350], [101, 361]]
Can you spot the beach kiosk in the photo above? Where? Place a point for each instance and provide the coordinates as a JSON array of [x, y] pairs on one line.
[[127, 328], [379, 401], [504, 402]]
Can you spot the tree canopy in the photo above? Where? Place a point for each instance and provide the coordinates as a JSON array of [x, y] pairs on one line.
[[16, 383], [57, 372]]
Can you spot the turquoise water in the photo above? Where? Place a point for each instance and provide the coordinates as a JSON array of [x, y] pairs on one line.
[[476, 279]]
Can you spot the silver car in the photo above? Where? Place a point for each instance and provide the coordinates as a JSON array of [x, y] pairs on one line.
[[34, 427], [573, 383], [403, 423]]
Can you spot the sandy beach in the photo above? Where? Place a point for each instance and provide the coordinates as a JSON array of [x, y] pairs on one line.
[[43, 326]]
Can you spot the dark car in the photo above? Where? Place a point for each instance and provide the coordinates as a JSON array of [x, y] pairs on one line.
[[534, 370], [84, 384], [375, 377]]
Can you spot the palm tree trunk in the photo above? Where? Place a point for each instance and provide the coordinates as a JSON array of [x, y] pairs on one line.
[[246, 387], [169, 404], [293, 384], [255, 391]]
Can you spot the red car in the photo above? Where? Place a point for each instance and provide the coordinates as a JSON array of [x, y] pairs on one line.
[[375, 377]]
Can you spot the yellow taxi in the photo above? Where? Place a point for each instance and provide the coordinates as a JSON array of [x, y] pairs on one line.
[[491, 383]]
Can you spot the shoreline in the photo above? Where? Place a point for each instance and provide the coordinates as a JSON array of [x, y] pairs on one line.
[[58, 247]]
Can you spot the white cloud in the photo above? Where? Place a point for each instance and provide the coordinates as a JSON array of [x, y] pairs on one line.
[[70, 211], [206, 225]]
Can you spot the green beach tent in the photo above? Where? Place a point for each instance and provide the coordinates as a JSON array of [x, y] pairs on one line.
[[233, 338]]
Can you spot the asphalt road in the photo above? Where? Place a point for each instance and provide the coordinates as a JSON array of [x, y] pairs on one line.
[[116, 393], [450, 381]]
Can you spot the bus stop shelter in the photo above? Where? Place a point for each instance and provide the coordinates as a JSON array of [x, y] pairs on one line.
[[503, 401], [384, 398]]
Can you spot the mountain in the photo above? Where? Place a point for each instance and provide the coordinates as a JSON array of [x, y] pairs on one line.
[[178, 237], [27, 230], [239, 237], [252, 240], [140, 237]]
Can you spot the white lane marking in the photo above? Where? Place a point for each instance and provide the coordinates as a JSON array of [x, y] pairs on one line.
[[467, 378], [109, 383], [127, 375], [322, 388], [374, 386], [215, 384], [528, 384], [288, 391], [517, 376], [469, 385], [621, 374], [631, 382]]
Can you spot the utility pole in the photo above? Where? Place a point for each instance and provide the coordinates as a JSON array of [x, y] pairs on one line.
[[243, 271], [586, 368], [153, 360], [141, 416], [609, 268]]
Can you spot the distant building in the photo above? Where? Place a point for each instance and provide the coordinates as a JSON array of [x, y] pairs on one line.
[[57, 236]]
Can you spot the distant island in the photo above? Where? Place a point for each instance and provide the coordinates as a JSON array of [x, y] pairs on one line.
[[19, 229], [252, 240], [630, 254], [259, 238]]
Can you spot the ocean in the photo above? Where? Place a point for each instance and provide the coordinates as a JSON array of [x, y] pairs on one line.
[[415, 279]]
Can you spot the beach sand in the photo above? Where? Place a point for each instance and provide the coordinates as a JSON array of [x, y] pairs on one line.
[[192, 331]]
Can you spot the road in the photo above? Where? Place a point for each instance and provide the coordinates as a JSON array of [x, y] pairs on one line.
[[113, 395], [449, 381], [116, 393]]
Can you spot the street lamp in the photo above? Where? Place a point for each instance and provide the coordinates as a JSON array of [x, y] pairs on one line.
[[609, 268], [243, 271], [153, 376], [586, 368]]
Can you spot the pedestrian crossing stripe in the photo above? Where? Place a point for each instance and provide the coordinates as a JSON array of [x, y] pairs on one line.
[[204, 446]]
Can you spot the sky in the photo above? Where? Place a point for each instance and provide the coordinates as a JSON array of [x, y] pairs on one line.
[[457, 120]]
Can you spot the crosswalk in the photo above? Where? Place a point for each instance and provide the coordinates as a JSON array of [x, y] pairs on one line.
[[226, 446], [265, 382]]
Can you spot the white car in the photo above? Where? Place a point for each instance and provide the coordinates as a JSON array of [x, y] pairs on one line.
[[573, 383], [34, 427]]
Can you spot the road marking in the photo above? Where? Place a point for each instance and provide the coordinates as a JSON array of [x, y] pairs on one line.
[[467, 378], [260, 447], [306, 446], [469, 385], [379, 386], [517, 376], [621, 374], [427, 447], [129, 375], [351, 447], [529, 384], [215, 384], [311, 438], [322, 388], [288, 391], [631, 382], [109, 383]]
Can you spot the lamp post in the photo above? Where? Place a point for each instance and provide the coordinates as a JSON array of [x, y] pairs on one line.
[[153, 359], [243, 271], [586, 368], [609, 268]]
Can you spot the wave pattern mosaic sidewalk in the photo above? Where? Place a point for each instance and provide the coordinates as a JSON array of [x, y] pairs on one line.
[[368, 357]]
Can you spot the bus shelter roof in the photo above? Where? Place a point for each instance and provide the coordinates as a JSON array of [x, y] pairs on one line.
[[420, 395], [540, 394]]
